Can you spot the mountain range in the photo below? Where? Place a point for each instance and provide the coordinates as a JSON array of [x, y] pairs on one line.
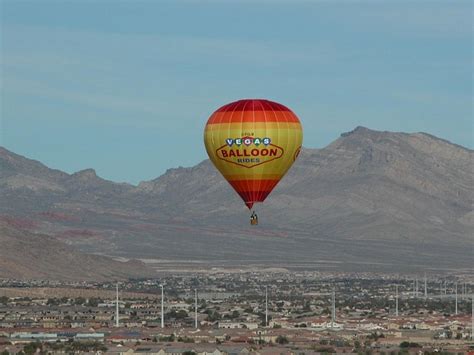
[[369, 201]]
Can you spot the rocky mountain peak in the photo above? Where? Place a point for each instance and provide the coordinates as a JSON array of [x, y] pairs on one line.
[[14, 164], [86, 174], [359, 130]]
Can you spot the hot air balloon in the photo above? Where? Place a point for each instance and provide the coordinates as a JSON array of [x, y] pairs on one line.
[[253, 143]]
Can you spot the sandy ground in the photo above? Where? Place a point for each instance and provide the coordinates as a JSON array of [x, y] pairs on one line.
[[52, 292]]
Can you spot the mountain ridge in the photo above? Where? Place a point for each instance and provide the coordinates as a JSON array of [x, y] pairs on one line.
[[393, 197], [4, 152]]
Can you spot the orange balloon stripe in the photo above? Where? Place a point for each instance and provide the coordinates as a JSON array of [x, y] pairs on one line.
[[253, 116], [252, 191], [252, 126]]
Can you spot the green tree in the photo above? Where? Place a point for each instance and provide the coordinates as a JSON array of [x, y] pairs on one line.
[[307, 306], [185, 340], [170, 338], [52, 302], [281, 339], [212, 316], [93, 302], [406, 344], [181, 314], [31, 348], [80, 301]]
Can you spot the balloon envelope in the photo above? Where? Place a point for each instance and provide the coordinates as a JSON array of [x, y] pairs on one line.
[[253, 143]]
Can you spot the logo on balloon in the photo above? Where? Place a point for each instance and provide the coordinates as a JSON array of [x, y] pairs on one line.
[[249, 151], [297, 153], [248, 141]]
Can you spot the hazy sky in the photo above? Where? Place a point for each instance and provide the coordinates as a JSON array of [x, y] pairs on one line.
[[125, 87]]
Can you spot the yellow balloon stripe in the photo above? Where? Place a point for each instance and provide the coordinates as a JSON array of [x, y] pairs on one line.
[[258, 177]]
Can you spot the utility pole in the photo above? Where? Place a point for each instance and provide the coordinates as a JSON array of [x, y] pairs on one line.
[[456, 307], [472, 317], [116, 306], [426, 287], [196, 308], [396, 300], [333, 308], [266, 306], [162, 308]]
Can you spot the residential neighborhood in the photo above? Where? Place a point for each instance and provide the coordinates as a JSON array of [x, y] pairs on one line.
[[237, 313]]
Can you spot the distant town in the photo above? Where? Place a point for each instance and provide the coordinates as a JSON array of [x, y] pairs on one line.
[[240, 313]]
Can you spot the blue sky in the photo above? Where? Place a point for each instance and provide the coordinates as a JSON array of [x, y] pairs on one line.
[[125, 87]]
